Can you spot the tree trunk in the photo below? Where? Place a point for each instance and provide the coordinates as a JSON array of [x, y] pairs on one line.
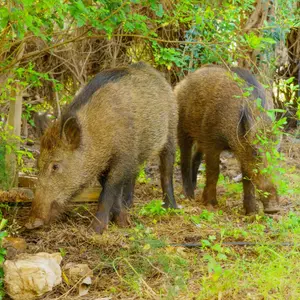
[[287, 68], [263, 12], [55, 98], [14, 128], [24, 128]]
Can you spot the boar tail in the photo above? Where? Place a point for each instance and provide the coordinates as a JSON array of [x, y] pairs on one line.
[[247, 126]]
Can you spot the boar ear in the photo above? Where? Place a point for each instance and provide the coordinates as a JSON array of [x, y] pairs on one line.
[[71, 132]]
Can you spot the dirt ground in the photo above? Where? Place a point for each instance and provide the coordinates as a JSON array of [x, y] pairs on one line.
[[151, 258]]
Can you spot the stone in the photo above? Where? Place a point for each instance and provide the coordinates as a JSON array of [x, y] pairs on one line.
[[238, 178], [76, 272], [13, 246], [30, 276], [79, 274]]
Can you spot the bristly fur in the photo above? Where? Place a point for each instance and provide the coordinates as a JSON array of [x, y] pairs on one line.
[[101, 79], [51, 138]]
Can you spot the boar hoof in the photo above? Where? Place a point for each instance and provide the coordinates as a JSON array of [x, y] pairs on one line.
[[99, 225], [121, 219], [189, 194], [35, 223], [271, 209], [250, 213], [212, 202]]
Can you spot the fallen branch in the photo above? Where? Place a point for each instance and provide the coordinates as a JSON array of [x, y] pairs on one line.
[[238, 243]]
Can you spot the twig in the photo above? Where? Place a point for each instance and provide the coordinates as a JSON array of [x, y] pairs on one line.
[[197, 245]]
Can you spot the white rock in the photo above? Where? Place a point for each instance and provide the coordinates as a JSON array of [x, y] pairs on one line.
[[238, 178], [30, 276], [79, 274], [76, 272]]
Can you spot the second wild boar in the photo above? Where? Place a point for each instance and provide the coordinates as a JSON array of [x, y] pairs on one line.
[[215, 115]]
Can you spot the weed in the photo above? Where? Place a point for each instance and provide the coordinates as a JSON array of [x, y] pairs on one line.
[[155, 208], [142, 177], [205, 215], [3, 234], [63, 252]]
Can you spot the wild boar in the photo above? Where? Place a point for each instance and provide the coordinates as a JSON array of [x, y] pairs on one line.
[[121, 118], [215, 115]]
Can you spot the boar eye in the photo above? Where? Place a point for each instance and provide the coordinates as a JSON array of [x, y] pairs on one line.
[[55, 167]]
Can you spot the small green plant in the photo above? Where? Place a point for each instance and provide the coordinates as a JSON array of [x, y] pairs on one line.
[[155, 208], [292, 222], [63, 252], [177, 157], [217, 254], [3, 234], [224, 180], [9, 144], [142, 177], [204, 216], [266, 143], [27, 113]]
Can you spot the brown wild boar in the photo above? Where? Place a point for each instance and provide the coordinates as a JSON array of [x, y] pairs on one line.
[[120, 119], [214, 116]]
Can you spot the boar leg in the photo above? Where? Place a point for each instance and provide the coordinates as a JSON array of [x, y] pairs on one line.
[[128, 191], [270, 201], [249, 194], [119, 214], [109, 196], [167, 157], [185, 144], [197, 158], [102, 178], [119, 209], [247, 158], [263, 183], [212, 160]]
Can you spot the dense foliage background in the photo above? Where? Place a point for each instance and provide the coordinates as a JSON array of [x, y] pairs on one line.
[[50, 49]]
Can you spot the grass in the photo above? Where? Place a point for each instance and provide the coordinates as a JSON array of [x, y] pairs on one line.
[[183, 253], [150, 266]]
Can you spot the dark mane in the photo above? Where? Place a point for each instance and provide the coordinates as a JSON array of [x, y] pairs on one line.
[[100, 80], [250, 79]]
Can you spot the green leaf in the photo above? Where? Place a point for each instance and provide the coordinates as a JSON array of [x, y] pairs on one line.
[[3, 223], [160, 11], [4, 17], [217, 247], [269, 40], [222, 256], [205, 243]]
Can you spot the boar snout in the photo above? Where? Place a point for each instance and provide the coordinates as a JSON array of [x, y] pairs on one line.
[[43, 209]]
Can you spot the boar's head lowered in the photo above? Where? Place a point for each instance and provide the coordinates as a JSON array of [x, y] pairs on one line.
[[59, 167]]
